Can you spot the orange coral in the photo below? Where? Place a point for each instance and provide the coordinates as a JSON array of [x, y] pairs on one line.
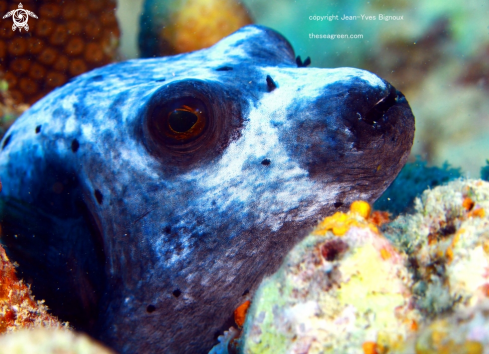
[[240, 313], [370, 348], [18, 309], [379, 217], [35, 62]]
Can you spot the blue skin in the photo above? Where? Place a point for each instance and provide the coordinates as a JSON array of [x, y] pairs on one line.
[[150, 244]]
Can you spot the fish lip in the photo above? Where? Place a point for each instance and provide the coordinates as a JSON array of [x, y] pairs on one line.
[[381, 108]]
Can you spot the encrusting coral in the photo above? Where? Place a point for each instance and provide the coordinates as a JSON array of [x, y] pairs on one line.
[[447, 243], [18, 309]]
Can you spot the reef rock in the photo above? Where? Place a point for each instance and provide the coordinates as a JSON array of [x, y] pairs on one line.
[[50, 341], [420, 287], [344, 288]]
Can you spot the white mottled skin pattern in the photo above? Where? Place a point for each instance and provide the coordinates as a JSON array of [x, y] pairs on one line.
[[210, 227]]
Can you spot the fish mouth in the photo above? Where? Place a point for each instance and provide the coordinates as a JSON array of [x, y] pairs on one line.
[[382, 106]]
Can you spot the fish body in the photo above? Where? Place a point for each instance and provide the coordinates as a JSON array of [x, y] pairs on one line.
[[145, 200]]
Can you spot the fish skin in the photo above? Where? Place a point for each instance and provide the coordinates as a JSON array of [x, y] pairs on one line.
[[210, 222]]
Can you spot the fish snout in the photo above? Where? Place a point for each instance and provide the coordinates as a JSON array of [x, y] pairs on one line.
[[357, 129]]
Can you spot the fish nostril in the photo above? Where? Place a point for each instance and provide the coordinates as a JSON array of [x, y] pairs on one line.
[[378, 110]]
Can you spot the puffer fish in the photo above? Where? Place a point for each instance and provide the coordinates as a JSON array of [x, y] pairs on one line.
[[146, 199]]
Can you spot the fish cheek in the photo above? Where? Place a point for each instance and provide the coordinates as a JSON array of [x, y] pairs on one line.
[[57, 224]]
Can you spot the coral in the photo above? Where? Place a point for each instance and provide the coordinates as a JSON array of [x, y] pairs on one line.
[[413, 179], [227, 342], [18, 309], [421, 287], [240, 313], [65, 41], [50, 341], [171, 27], [447, 241], [463, 332], [343, 289]]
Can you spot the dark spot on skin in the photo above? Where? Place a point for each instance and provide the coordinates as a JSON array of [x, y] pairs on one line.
[[266, 162], [150, 308], [6, 141], [97, 78], [301, 64], [246, 292], [99, 196], [177, 293], [224, 68], [271, 84], [332, 250], [38, 129], [58, 187], [167, 229], [338, 204], [75, 145]]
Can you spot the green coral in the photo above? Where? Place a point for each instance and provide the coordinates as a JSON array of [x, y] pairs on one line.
[[413, 179], [447, 241]]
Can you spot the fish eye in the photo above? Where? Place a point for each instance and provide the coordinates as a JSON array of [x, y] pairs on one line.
[[189, 122], [180, 121]]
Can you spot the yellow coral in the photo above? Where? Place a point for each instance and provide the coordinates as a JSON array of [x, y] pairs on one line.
[[197, 24], [361, 207], [339, 223]]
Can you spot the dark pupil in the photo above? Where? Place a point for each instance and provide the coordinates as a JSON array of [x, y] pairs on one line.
[[181, 121]]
